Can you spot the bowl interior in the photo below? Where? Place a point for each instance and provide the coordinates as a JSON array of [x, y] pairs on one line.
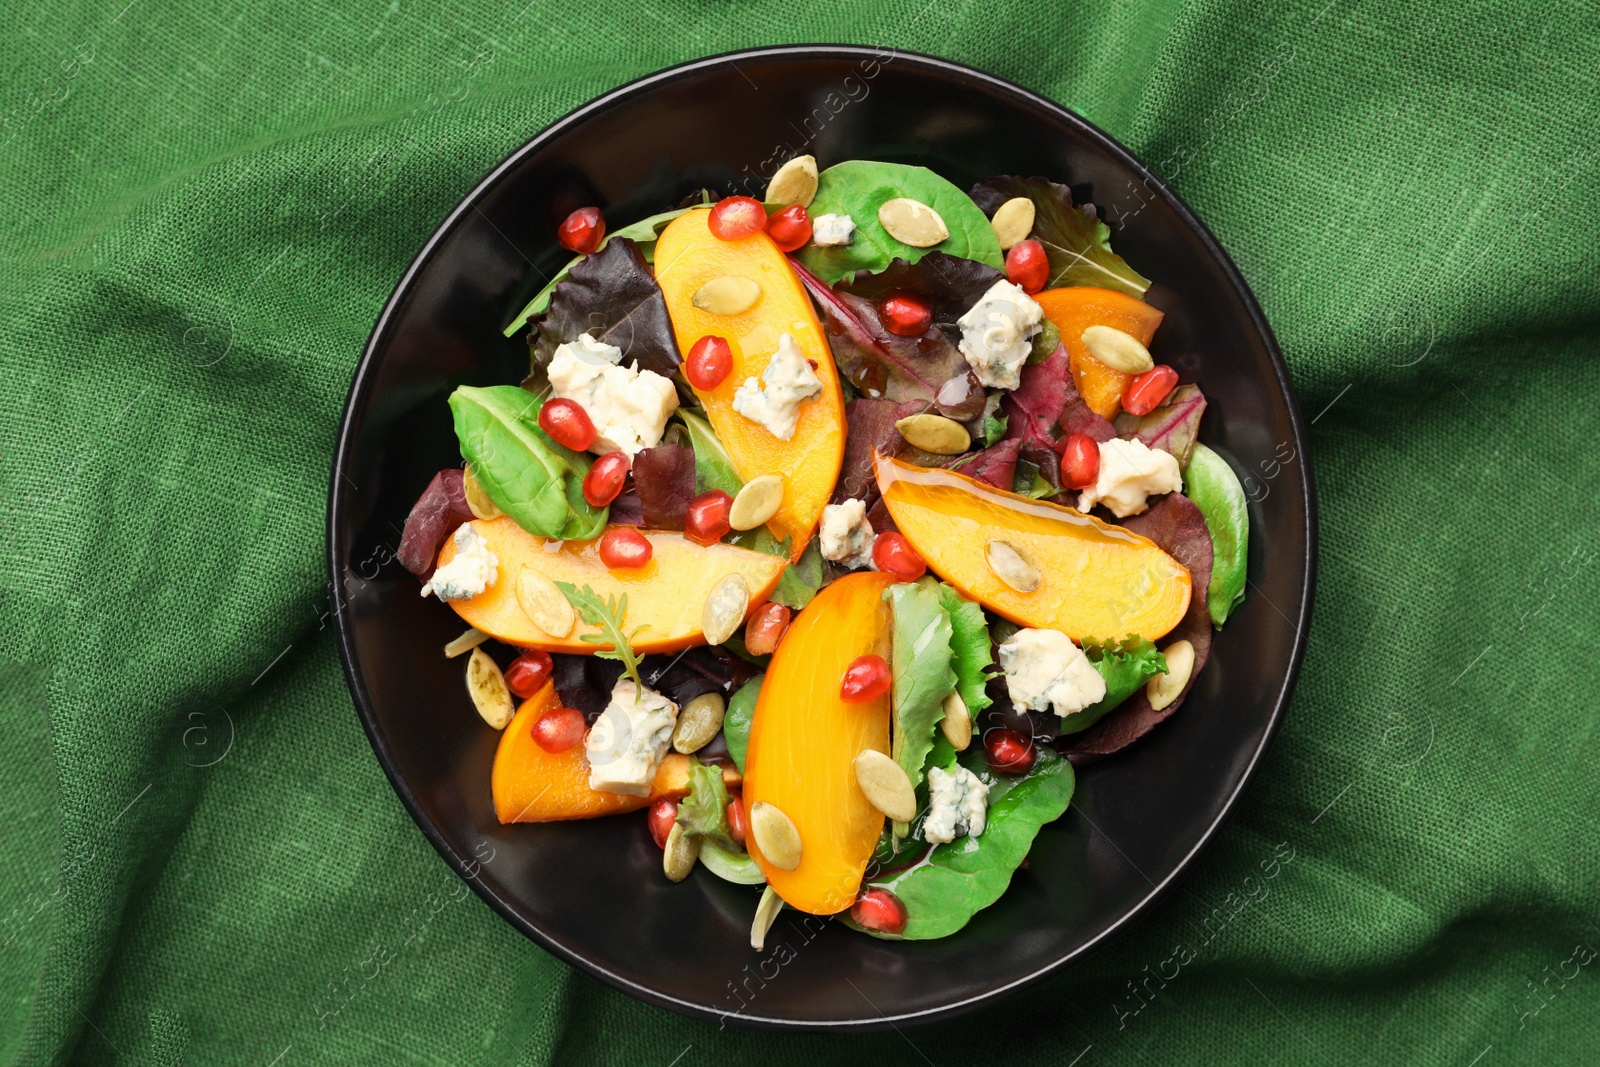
[[592, 892]]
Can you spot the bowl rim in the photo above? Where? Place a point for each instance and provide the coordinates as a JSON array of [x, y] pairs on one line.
[[356, 403]]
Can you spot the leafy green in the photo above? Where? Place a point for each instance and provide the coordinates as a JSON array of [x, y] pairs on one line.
[[801, 579], [960, 879], [969, 644], [530, 477], [922, 670], [608, 614], [1210, 482], [704, 811], [1125, 666], [713, 467], [1077, 243], [994, 428], [859, 187], [612, 296], [1172, 427], [1030, 481], [730, 866], [644, 232], [736, 721]]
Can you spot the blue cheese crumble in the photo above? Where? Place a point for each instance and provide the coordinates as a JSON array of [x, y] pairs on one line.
[[788, 382], [627, 741], [846, 535], [995, 334], [470, 571], [832, 231], [1045, 671], [628, 406], [957, 805]]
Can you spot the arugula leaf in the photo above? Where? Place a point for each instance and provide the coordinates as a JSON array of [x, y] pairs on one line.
[[1077, 243], [969, 644], [922, 669], [609, 615], [736, 720], [801, 579], [713, 467], [858, 187], [960, 879], [703, 812], [994, 428], [1125, 666], [528, 475], [730, 866]]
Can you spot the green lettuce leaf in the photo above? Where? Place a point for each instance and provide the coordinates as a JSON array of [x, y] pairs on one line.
[[801, 579], [969, 643], [736, 720], [713, 467], [1077, 243], [1125, 665], [1216, 491], [704, 811], [730, 866], [923, 671]]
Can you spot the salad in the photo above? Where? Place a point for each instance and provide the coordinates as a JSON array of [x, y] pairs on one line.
[[832, 531]]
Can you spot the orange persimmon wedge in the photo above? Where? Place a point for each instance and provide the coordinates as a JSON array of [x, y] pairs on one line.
[[1099, 580], [664, 596], [803, 739], [1078, 307], [532, 785], [687, 256]]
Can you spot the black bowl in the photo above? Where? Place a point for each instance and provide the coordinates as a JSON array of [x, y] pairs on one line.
[[592, 892]]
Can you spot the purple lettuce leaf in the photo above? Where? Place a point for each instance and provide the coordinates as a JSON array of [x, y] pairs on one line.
[[1174, 426], [870, 427], [612, 296], [995, 465], [950, 284], [1076, 241], [663, 477], [627, 509], [436, 514]]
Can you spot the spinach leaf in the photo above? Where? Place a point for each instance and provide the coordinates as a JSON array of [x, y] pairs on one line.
[[736, 721], [530, 477], [713, 467], [969, 642], [960, 879], [704, 811], [922, 668], [730, 866], [1077, 243], [612, 296], [801, 579], [1125, 666], [858, 187]]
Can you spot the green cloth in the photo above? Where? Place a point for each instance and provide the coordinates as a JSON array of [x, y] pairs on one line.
[[206, 206]]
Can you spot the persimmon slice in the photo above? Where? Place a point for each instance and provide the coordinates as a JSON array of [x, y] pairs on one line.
[[1076, 308]]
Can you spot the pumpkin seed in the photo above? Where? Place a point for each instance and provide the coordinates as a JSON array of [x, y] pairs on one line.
[[487, 687], [885, 785], [911, 222], [1013, 566], [465, 643], [934, 433], [757, 502], [678, 858], [1013, 221], [727, 294], [957, 722], [698, 723], [478, 501], [766, 915], [1117, 350], [543, 603], [775, 835], [724, 608], [1163, 689], [795, 182]]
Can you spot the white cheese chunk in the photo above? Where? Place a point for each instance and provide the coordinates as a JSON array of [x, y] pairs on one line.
[[1130, 471], [846, 535], [788, 382], [470, 571], [995, 334], [628, 406], [831, 231], [627, 741], [957, 804], [1045, 671]]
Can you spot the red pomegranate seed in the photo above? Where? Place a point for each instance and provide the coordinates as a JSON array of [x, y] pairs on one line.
[[558, 729], [1146, 391], [879, 910], [738, 825], [707, 521], [1080, 461], [623, 547], [905, 314], [528, 673], [765, 628], [605, 479], [709, 364], [867, 678], [1027, 266], [567, 422], [893, 554], [582, 231], [663, 813], [790, 228], [1009, 752], [737, 216]]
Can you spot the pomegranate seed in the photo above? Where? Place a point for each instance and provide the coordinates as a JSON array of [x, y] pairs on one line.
[[737, 216], [709, 364], [893, 554], [879, 910], [567, 422], [558, 729], [738, 824], [867, 678], [765, 628], [605, 479], [663, 813], [528, 673], [1027, 266], [905, 314], [623, 547], [1146, 391], [582, 231], [790, 228], [1009, 752], [707, 521], [1080, 461]]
